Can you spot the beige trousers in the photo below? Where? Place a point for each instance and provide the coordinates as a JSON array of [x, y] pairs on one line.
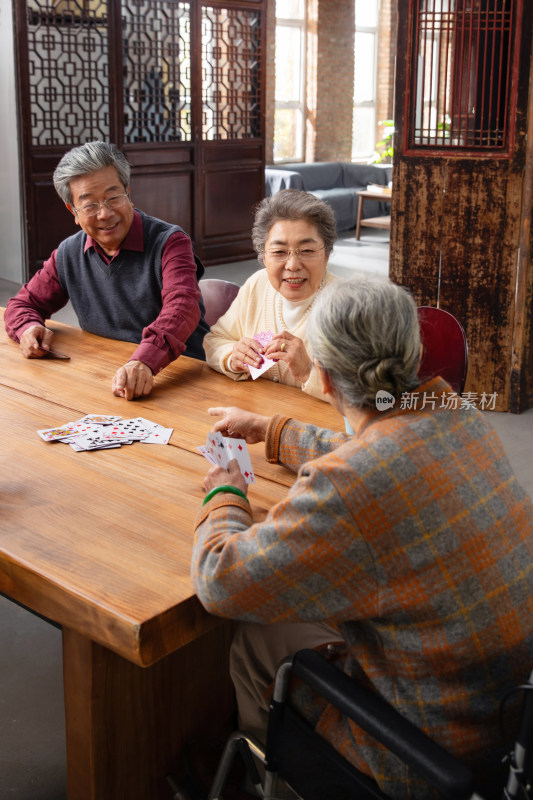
[[255, 655]]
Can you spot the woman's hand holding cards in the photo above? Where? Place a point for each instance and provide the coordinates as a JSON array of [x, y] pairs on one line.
[[290, 349], [246, 351], [238, 423], [217, 476]]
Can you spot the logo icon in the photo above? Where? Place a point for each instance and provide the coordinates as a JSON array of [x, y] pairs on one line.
[[384, 400]]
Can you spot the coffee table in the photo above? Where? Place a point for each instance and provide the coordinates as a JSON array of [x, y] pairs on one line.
[[371, 222]]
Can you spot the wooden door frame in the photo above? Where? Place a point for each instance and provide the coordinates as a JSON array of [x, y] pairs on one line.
[[457, 274]]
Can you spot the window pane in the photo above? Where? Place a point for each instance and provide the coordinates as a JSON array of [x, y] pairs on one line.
[[366, 13], [364, 126], [290, 9], [288, 134], [462, 74], [364, 67], [288, 64]]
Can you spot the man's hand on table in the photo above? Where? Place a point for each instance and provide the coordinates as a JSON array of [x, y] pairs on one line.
[[240, 424], [134, 379], [35, 342]]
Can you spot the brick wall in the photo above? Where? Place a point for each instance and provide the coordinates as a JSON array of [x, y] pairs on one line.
[[329, 85], [270, 81], [335, 65], [386, 60]]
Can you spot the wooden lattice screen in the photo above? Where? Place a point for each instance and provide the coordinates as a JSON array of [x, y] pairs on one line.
[[463, 63], [179, 86]]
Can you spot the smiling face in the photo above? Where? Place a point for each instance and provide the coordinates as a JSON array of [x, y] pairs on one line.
[[296, 278], [110, 226]]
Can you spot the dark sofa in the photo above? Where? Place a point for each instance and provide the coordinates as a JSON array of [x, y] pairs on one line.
[[335, 182]]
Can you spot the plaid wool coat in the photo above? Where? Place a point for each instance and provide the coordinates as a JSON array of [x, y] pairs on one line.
[[414, 539]]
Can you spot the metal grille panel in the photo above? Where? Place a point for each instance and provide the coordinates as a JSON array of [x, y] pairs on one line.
[[230, 74], [68, 72], [157, 71], [461, 77]]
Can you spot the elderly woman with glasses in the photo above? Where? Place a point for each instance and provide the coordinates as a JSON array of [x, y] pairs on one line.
[[293, 235], [411, 541]]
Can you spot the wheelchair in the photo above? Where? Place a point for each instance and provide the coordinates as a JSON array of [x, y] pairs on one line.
[[324, 774]]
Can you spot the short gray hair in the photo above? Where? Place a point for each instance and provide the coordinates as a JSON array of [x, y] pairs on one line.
[[292, 205], [85, 159], [364, 332]]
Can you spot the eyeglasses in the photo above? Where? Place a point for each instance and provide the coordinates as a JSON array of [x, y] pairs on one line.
[[304, 254], [112, 203]]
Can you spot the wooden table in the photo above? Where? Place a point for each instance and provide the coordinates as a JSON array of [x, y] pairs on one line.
[[100, 542], [371, 222]]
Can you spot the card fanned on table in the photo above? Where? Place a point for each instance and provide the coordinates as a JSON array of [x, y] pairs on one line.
[[264, 338], [220, 450], [103, 432]]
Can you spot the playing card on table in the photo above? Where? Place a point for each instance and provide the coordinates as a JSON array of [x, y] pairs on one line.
[[99, 419], [57, 434], [220, 450], [158, 435], [55, 354], [264, 338], [155, 433], [92, 442], [82, 426], [106, 431], [132, 429]]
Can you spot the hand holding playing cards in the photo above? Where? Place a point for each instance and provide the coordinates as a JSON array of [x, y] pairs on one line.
[[238, 423], [134, 379], [246, 351], [290, 349], [219, 477], [35, 341]]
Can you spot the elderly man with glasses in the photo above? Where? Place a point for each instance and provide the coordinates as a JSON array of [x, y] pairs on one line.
[[128, 276]]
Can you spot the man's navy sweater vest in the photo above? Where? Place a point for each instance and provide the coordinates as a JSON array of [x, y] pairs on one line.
[[118, 300]]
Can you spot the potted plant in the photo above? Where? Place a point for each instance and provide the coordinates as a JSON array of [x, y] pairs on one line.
[[384, 152]]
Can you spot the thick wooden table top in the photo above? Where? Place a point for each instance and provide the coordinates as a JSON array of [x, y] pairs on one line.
[[101, 541]]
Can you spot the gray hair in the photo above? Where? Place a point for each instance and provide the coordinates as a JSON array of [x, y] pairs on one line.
[[87, 158], [364, 332], [291, 205]]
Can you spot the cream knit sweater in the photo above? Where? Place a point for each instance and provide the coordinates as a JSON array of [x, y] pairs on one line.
[[254, 311]]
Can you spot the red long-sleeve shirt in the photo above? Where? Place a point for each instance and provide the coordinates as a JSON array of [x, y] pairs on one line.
[[164, 339]]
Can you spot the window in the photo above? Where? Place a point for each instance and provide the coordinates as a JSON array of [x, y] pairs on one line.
[[365, 70], [461, 75], [290, 81]]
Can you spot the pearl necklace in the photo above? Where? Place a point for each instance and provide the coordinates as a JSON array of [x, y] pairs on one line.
[[279, 307]]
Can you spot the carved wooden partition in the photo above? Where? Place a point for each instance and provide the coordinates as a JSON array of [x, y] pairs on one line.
[[178, 86], [461, 208]]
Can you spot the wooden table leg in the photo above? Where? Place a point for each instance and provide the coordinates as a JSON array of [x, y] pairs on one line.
[[359, 218], [126, 725]]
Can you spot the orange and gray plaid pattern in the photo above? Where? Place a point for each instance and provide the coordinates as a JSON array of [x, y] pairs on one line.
[[415, 540]]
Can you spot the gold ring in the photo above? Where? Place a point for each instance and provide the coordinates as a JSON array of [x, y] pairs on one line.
[[282, 347]]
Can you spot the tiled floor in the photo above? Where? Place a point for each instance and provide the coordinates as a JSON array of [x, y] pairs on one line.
[[32, 747]]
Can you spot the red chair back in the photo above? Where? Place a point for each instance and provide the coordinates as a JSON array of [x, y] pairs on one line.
[[445, 349], [217, 295]]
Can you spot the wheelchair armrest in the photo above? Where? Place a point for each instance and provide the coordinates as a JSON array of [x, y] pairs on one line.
[[378, 718]]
